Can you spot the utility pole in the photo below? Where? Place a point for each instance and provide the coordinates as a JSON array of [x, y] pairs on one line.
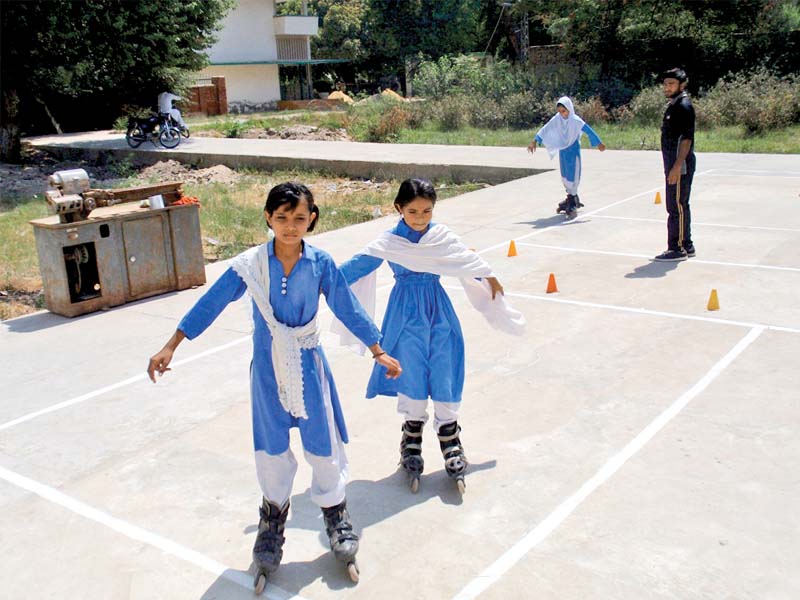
[[524, 38]]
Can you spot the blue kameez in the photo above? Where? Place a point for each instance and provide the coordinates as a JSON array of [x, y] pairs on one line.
[[420, 329], [569, 159], [295, 302]]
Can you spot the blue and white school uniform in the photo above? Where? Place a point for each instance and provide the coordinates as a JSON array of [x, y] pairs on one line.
[[564, 136], [294, 301], [420, 327]]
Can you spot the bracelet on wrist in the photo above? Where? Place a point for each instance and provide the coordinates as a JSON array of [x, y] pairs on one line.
[[374, 356]]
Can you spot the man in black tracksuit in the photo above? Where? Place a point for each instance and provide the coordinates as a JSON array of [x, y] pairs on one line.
[[677, 151]]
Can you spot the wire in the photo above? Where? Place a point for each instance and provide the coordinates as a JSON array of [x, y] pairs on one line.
[[502, 8]]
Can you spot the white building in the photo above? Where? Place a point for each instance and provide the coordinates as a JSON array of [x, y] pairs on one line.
[[256, 50]]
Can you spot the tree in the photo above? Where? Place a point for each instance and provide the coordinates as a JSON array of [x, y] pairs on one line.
[[75, 64], [399, 30], [631, 39]]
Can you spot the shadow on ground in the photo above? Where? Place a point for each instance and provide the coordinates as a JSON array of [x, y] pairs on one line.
[[365, 511], [652, 269]]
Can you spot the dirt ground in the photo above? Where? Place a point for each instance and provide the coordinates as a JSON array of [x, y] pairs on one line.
[[290, 132]]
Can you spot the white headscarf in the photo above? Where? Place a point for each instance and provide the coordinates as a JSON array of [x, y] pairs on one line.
[[559, 133]]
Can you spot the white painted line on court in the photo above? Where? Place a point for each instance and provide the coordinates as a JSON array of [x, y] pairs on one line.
[[142, 535], [583, 216], [513, 555], [756, 173], [629, 254], [565, 222], [117, 385], [639, 311], [696, 223]]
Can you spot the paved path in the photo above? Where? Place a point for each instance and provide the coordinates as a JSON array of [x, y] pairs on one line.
[[632, 445], [382, 161]]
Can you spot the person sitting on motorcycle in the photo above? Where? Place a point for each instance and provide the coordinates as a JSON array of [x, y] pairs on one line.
[[165, 100]]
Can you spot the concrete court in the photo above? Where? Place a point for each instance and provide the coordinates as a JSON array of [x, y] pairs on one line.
[[632, 445]]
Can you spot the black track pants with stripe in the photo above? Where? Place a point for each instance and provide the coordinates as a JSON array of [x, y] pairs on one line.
[[679, 220]]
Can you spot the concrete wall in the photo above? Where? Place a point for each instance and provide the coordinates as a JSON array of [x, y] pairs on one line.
[[247, 34], [256, 84]]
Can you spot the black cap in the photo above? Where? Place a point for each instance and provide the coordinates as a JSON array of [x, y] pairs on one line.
[[676, 73]]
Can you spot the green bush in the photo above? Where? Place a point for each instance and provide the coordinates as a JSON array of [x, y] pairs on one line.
[[390, 123], [592, 110], [647, 108], [758, 100]]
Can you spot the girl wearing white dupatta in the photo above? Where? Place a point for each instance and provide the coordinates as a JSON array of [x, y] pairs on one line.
[[290, 380], [562, 134], [421, 327]]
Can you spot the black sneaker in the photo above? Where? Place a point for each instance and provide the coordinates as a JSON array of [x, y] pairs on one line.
[[689, 250], [671, 256]]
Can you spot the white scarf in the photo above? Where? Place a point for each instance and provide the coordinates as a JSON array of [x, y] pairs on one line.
[[440, 252], [559, 133], [253, 267]]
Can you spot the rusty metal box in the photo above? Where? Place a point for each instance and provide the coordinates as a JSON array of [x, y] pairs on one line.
[[119, 254]]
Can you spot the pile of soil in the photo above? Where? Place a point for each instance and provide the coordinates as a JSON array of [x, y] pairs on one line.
[[172, 170]]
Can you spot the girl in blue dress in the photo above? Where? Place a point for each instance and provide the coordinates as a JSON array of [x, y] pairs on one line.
[[291, 382], [421, 327], [562, 134]]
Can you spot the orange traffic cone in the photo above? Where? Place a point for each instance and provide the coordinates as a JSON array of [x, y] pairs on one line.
[[512, 249], [658, 198], [713, 300], [551, 284]]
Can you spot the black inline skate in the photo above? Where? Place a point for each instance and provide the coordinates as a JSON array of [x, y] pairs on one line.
[[268, 549], [344, 542], [411, 452], [455, 462], [570, 205]]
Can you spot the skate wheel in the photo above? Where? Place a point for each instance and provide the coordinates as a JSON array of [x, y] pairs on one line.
[[260, 583], [414, 485], [462, 487], [352, 571]]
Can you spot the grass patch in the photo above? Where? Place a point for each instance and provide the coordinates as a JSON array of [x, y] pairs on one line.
[[618, 137]]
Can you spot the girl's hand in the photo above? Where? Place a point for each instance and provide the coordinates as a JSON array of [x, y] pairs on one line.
[[601, 147], [393, 368], [159, 362], [496, 287], [532, 147]]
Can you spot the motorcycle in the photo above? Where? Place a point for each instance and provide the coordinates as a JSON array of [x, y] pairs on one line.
[[152, 128]]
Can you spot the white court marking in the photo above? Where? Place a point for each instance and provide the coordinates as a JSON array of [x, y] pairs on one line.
[[639, 311], [137, 533], [117, 385], [649, 256], [513, 555], [696, 223]]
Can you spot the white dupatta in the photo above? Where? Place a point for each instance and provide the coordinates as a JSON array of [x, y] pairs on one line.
[[253, 267], [559, 133], [440, 252]]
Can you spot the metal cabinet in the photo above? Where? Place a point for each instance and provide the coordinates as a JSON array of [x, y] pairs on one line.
[[117, 255]]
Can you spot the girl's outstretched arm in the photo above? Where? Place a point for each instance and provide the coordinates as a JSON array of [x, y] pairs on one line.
[[160, 360]]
